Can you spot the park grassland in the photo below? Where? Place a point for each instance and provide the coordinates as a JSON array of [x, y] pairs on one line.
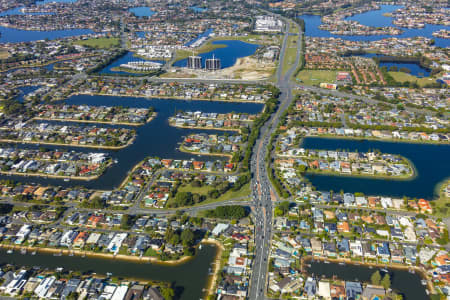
[[403, 77], [244, 191], [100, 43], [315, 77]]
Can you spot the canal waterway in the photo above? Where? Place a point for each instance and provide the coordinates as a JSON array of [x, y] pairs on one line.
[[431, 161], [374, 18], [25, 90], [155, 138], [228, 55], [12, 35], [402, 281], [189, 278]]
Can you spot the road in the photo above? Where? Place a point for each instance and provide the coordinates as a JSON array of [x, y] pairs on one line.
[[262, 190]]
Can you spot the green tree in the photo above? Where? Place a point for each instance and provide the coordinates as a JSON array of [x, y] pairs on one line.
[[386, 281], [187, 237], [375, 278], [168, 293]]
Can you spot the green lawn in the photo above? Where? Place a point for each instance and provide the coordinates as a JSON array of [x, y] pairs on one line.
[[203, 190], [294, 28], [99, 42], [402, 77], [150, 252], [291, 53], [315, 77], [441, 206], [244, 191]]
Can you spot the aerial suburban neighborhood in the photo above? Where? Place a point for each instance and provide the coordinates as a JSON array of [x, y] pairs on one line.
[[224, 150]]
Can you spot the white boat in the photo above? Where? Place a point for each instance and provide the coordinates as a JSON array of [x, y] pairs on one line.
[[200, 247], [9, 251], [23, 251], [423, 282], [385, 270]]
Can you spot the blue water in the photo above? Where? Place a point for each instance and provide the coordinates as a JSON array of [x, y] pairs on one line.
[[198, 9], [123, 60], [25, 90], [227, 55], [156, 138], [11, 35], [415, 68], [142, 11], [431, 161], [374, 18], [206, 33]]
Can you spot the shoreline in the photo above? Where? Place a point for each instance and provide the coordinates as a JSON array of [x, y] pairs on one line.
[[206, 128], [149, 119], [87, 178], [422, 273], [389, 140], [166, 97], [230, 156], [211, 284], [131, 141], [82, 253]]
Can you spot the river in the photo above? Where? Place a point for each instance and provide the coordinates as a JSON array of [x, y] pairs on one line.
[[431, 161], [402, 281], [189, 277]]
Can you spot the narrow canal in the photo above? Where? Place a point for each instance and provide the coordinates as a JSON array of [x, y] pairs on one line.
[[402, 281], [190, 277]]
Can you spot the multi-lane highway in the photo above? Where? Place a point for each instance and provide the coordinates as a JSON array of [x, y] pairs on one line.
[[262, 191]]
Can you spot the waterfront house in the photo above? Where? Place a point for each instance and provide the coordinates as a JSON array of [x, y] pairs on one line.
[[353, 289]]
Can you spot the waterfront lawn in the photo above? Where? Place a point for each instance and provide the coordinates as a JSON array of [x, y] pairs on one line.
[[99, 42], [151, 252], [403, 77], [441, 206], [315, 77], [291, 53]]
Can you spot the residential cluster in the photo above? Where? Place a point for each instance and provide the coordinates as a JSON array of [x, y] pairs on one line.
[[342, 162], [50, 163], [198, 119], [57, 284], [94, 114], [74, 135]]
